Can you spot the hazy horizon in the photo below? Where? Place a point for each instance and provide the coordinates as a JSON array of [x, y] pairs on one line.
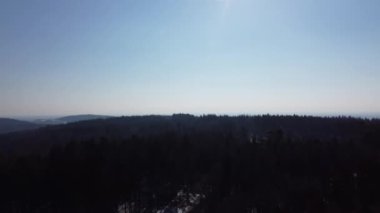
[[128, 57], [47, 117]]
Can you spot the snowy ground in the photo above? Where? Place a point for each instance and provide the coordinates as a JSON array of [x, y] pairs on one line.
[[184, 202]]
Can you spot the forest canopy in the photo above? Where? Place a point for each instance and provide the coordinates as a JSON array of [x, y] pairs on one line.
[[194, 164]]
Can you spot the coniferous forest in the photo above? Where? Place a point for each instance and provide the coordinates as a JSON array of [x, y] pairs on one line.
[[185, 163]]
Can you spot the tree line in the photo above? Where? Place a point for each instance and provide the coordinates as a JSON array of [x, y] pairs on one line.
[[234, 168]]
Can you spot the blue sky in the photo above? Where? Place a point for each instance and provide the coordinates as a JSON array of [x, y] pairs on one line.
[[196, 56]]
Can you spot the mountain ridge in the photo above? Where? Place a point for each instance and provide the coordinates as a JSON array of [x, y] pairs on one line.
[[8, 125]]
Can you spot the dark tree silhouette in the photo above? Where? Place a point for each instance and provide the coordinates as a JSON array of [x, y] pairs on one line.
[[233, 164]]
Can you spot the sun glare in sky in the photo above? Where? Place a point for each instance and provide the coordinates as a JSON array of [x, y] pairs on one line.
[[194, 56]]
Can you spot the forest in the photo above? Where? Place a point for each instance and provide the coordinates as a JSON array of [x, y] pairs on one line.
[[198, 164]]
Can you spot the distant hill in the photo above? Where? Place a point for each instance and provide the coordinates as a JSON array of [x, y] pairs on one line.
[[10, 125], [77, 118], [242, 127], [69, 119]]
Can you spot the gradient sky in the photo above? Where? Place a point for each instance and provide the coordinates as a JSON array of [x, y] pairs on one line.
[[60, 57]]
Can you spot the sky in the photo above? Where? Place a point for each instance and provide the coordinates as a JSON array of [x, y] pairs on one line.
[[125, 57]]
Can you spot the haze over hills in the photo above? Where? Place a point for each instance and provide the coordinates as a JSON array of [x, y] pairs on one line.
[[84, 117], [8, 125], [69, 119], [11, 125]]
